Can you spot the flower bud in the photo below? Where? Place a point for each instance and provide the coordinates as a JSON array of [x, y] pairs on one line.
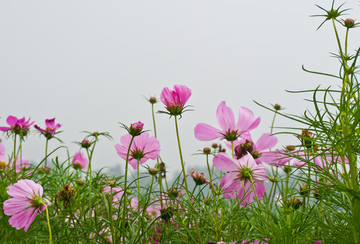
[[166, 213], [80, 182], [274, 179], [277, 107], [349, 23], [153, 171], [112, 183], [206, 150], [136, 128], [287, 169], [304, 190], [207, 201], [173, 192], [152, 100], [290, 148], [85, 143], [214, 145]]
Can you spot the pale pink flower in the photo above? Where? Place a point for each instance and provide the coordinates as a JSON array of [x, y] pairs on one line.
[[242, 174], [20, 163], [117, 192], [25, 204], [80, 161], [2, 153], [230, 129], [17, 126], [50, 129], [278, 158], [153, 210], [175, 100], [142, 148]]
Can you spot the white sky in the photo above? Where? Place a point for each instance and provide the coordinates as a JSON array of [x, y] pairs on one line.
[[89, 64]]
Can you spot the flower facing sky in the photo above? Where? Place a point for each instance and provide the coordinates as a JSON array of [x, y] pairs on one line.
[[230, 129], [18, 126], [50, 129], [25, 204], [80, 161], [176, 99], [242, 174], [142, 148]]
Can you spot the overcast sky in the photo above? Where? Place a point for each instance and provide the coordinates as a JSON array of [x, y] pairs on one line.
[[91, 63]]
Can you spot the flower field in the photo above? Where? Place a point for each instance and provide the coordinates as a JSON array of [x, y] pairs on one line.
[[252, 191]]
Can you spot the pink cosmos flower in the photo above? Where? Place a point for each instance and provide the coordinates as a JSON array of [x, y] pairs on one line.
[[18, 126], [257, 150], [142, 148], [152, 210], [230, 130], [80, 161], [175, 100], [237, 183], [50, 129], [278, 158], [25, 204]]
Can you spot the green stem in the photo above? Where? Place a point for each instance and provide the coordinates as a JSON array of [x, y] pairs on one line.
[[46, 150], [138, 184], [125, 191], [48, 222]]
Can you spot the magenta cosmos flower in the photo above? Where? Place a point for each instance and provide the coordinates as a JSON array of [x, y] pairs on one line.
[[237, 183], [25, 204], [18, 126], [142, 148], [175, 100], [257, 150], [136, 128], [80, 161], [50, 129], [230, 129]]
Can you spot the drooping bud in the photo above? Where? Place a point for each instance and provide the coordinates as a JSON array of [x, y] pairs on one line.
[[136, 128], [199, 179]]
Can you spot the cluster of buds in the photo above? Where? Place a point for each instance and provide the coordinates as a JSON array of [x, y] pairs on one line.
[[293, 203], [199, 178], [245, 148]]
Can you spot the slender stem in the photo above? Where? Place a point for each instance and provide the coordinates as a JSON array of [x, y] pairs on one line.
[[48, 222], [46, 150], [181, 157], [111, 214], [138, 184], [273, 122], [14, 158], [125, 190]]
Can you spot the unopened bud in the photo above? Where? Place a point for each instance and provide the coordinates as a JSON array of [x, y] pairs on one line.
[[153, 171], [277, 107], [207, 201], [214, 145], [274, 179], [80, 182], [173, 192], [304, 190], [85, 143], [166, 213], [290, 148], [112, 183], [136, 128], [349, 23], [287, 169], [2, 164], [206, 150], [152, 100]]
